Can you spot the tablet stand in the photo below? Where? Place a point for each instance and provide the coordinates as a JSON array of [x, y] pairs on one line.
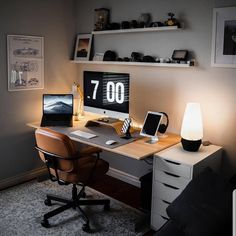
[[152, 140]]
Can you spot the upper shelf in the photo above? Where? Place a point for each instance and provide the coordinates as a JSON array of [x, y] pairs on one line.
[[138, 30], [133, 63]]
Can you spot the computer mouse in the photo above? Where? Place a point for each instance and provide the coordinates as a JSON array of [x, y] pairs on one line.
[[110, 142]]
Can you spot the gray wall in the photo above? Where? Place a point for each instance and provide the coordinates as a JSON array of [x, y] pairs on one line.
[[55, 21], [151, 88], [169, 90]]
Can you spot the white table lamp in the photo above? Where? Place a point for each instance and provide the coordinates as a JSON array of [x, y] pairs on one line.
[[192, 130]]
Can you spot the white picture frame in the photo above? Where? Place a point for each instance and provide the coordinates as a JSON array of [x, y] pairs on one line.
[[224, 38], [83, 47], [25, 57]]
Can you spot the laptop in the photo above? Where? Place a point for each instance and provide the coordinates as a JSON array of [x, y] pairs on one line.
[[57, 110]]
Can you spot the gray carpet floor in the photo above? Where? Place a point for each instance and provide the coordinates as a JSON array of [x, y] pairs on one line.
[[22, 206]]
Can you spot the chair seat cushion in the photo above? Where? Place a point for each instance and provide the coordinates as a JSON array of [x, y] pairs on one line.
[[85, 165], [204, 207]]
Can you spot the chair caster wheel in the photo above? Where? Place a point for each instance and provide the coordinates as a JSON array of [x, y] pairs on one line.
[[47, 202], [86, 227], [45, 223], [107, 207]]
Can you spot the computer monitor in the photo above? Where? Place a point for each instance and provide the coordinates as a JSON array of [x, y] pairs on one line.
[[151, 125], [107, 93]]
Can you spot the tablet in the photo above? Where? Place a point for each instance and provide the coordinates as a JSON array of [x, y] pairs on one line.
[[151, 125]]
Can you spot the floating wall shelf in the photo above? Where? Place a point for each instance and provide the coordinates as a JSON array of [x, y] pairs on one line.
[[138, 30], [133, 64]]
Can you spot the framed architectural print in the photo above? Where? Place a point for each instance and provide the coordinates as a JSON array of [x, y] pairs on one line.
[[83, 47], [25, 56], [224, 37]]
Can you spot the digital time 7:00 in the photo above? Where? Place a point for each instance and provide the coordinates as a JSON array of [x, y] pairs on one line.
[[114, 91]]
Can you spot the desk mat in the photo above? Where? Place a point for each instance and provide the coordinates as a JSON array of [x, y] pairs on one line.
[[104, 133]]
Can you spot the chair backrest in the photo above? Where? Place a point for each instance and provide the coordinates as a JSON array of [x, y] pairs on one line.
[[56, 143]]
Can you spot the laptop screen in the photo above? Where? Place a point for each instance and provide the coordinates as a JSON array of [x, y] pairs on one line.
[[58, 104]]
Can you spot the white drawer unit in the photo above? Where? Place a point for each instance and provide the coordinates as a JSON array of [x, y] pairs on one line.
[[157, 221], [159, 207], [171, 179], [173, 169], [165, 191]]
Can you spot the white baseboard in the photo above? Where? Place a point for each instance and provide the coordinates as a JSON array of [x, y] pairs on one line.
[[118, 174], [5, 183]]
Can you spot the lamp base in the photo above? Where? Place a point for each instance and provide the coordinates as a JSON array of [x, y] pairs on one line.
[[191, 145]]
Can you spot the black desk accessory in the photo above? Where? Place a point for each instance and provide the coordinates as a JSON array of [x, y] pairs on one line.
[[126, 129], [180, 55]]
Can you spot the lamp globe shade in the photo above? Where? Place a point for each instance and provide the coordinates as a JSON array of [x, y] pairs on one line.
[[192, 130]]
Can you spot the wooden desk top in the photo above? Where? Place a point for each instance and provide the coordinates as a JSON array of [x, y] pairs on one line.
[[137, 149]]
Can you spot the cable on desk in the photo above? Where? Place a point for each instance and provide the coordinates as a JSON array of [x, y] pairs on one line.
[[133, 118]]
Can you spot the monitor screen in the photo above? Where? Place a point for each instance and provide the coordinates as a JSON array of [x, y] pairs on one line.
[[57, 104], [151, 123], [107, 93]]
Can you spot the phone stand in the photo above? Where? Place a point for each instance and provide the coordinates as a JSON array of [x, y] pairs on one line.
[[126, 129], [127, 135]]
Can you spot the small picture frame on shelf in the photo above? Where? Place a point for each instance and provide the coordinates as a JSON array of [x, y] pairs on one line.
[[179, 55], [98, 56], [83, 47]]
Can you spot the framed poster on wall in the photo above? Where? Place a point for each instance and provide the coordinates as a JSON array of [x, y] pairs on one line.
[[25, 56], [224, 37]]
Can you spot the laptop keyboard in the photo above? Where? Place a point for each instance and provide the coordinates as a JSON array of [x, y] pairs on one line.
[[56, 121]]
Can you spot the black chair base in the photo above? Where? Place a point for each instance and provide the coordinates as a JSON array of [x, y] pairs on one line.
[[74, 203]]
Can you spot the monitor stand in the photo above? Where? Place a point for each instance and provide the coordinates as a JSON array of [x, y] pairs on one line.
[[109, 122], [152, 140]]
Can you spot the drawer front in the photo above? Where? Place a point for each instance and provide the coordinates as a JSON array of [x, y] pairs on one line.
[[165, 192], [159, 207], [171, 179], [173, 167], [157, 221]]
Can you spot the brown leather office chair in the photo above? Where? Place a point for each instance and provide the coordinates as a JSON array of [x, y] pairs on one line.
[[67, 165]]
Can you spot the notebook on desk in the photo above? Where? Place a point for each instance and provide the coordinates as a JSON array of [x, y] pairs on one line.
[[57, 110]]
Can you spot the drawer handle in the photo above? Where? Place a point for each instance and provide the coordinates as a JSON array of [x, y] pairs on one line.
[[172, 162], [177, 176], [165, 218], [166, 202], [169, 186]]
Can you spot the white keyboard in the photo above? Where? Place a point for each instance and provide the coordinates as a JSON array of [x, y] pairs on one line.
[[83, 134]]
